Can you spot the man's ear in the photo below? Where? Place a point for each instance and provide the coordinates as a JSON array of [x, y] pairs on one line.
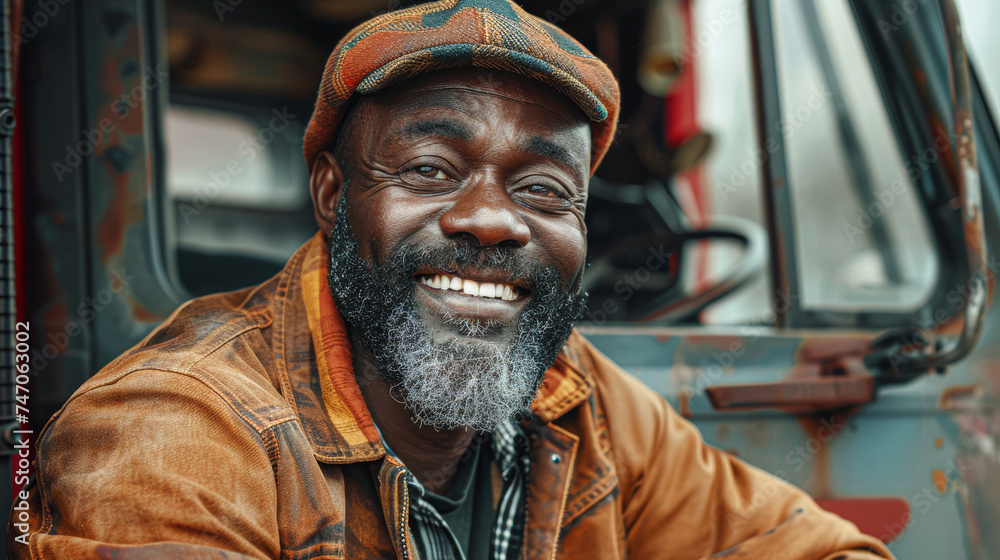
[[326, 184]]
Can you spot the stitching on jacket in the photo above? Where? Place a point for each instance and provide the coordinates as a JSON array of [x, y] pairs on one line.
[[219, 347], [569, 479], [254, 423], [253, 291], [147, 367], [606, 481], [271, 445], [611, 496], [281, 293]]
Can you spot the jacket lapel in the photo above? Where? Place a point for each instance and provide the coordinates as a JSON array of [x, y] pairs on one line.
[[319, 365]]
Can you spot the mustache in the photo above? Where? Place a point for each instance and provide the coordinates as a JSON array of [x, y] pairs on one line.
[[457, 256]]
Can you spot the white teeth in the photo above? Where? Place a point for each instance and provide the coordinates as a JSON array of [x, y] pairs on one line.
[[487, 290], [470, 287], [490, 290]]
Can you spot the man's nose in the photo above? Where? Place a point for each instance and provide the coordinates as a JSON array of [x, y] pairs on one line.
[[486, 212]]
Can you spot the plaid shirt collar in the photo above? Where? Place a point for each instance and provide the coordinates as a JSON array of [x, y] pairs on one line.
[[435, 539]]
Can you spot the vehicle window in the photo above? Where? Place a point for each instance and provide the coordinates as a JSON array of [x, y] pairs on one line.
[[862, 241], [726, 109], [235, 186], [862, 244], [979, 19], [223, 157]]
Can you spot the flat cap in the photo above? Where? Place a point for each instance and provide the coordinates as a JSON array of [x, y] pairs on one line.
[[496, 34]]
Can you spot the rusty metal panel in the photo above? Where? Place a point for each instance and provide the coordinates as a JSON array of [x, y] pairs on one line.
[[926, 450], [97, 281], [122, 81]]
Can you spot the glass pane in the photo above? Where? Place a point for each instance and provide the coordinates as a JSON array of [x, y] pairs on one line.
[[222, 157], [726, 109], [979, 22], [861, 237], [236, 184]]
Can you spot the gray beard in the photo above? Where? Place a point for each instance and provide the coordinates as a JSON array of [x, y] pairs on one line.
[[461, 383]]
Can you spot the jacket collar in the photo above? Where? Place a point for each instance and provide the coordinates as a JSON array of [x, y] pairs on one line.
[[319, 371]]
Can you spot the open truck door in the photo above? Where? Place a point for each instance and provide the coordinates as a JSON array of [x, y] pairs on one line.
[[861, 381]]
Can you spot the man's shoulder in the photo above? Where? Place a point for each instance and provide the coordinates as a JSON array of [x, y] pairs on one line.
[[608, 380], [221, 341]]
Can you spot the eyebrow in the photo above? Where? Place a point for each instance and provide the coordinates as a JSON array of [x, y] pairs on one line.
[[439, 127], [549, 149]]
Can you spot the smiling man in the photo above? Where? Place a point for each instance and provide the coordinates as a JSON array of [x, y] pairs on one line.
[[410, 385]]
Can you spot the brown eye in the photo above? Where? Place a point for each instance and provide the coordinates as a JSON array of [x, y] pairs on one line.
[[430, 172], [545, 198], [541, 190]]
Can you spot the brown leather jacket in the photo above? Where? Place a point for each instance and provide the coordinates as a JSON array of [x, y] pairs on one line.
[[221, 436]]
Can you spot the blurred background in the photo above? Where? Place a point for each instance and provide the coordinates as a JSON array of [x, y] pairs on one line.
[[688, 128]]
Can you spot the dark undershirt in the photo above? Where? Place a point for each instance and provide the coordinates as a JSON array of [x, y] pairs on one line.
[[468, 507]]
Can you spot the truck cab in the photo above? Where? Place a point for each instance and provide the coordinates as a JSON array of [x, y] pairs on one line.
[[792, 239]]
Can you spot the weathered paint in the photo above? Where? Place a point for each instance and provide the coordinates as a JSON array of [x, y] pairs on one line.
[[874, 516], [864, 453], [940, 480]]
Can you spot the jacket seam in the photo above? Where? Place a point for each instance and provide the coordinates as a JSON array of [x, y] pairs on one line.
[[220, 345], [182, 371], [258, 428], [36, 551], [566, 485], [282, 293], [270, 441], [142, 367], [251, 293]]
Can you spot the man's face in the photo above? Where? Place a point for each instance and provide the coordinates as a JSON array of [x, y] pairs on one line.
[[461, 255]]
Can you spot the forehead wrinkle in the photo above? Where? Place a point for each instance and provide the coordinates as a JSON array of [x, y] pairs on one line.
[[430, 99], [546, 148], [446, 128]]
